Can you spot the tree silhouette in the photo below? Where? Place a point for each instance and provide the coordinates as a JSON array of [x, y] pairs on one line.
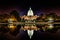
[[52, 15], [15, 14]]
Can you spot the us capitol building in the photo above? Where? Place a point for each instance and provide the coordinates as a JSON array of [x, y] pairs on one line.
[[28, 22]]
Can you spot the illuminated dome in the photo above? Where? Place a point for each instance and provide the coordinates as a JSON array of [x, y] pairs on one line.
[[30, 12]]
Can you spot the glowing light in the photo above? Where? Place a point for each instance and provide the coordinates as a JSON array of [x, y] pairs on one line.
[[30, 33], [10, 20], [51, 19], [11, 26], [50, 25], [30, 12]]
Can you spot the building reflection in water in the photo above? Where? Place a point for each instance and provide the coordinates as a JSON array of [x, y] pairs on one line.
[[29, 22]]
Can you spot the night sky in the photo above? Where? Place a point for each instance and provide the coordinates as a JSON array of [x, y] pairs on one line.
[[22, 6]]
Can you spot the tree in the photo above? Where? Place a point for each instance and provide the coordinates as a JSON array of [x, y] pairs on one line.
[[15, 14]]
